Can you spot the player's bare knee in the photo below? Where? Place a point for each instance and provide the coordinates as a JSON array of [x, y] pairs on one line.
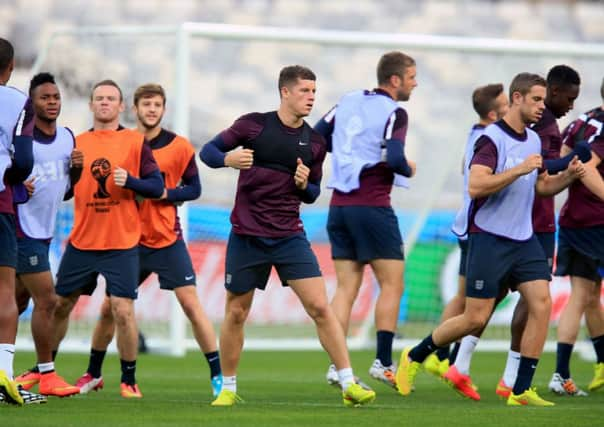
[[123, 312], [592, 300], [237, 314], [540, 304], [476, 319], [63, 307], [392, 289], [47, 304], [106, 312], [318, 310], [190, 306]]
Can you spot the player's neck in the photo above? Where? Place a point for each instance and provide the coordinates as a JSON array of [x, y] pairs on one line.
[[112, 125], [514, 120], [289, 119], [47, 127], [149, 133], [485, 122], [389, 90]]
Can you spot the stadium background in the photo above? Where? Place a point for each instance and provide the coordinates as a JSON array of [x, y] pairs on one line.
[[229, 78]]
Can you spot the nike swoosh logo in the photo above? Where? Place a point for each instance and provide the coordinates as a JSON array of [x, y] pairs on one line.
[[10, 351], [303, 143], [189, 277]]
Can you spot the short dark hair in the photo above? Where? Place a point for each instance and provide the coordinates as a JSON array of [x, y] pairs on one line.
[[523, 83], [292, 73], [7, 53], [484, 98], [148, 90], [391, 64], [107, 82], [40, 79], [602, 89], [563, 76]]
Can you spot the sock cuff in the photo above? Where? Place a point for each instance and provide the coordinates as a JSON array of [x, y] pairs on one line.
[[229, 380], [530, 360], [470, 339], [46, 367]]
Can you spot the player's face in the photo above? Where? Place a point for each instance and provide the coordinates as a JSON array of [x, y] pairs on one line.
[[300, 97], [503, 105], [407, 84], [106, 104], [47, 102], [563, 99], [149, 111], [532, 104]]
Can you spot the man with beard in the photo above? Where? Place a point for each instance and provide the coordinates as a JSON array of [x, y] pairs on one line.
[[366, 132], [162, 249]]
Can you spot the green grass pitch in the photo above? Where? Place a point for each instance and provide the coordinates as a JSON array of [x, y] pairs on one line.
[[288, 389]]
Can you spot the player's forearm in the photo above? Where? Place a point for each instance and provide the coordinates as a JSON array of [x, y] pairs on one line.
[[310, 193], [214, 152], [75, 173], [190, 190], [395, 157], [483, 185], [581, 150], [150, 186], [23, 160], [551, 185]]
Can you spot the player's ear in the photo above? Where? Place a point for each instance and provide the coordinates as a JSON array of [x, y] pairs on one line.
[[122, 106], [284, 91], [492, 115]]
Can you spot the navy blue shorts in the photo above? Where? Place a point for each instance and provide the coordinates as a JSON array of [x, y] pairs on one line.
[[8, 241], [364, 233], [33, 255], [79, 271], [548, 243], [578, 252], [495, 262], [172, 264], [249, 260], [463, 260]]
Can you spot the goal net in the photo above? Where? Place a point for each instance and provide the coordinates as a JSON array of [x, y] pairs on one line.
[[214, 73]]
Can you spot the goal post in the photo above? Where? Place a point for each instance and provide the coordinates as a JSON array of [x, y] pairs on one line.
[[440, 115]]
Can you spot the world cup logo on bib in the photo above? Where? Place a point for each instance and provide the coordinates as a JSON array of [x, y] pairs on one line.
[[101, 169]]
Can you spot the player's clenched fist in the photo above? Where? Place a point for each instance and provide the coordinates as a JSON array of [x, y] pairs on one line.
[[77, 158], [532, 162], [240, 159], [301, 175], [30, 186], [576, 169], [120, 176]]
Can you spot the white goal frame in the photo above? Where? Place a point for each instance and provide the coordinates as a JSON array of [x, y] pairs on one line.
[[178, 343]]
